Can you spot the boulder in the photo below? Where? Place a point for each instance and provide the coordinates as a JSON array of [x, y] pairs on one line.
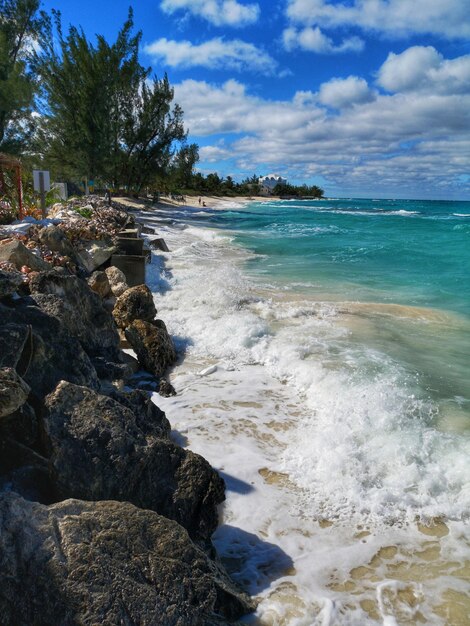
[[80, 310], [22, 426], [107, 563], [95, 253], [117, 280], [166, 389], [16, 347], [100, 450], [9, 282], [18, 254], [99, 283], [136, 303], [55, 354], [13, 391], [150, 419], [152, 344], [56, 240]]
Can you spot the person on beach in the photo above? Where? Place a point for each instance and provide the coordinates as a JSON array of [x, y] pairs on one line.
[[199, 201], [107, 197]]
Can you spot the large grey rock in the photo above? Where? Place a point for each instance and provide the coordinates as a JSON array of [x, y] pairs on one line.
[[149, 417], [100, 450], [16, 347], [152, 344], [55, 354], [80, 310], [13, 391], [56, 240], [18, 254], [106, 563], [135, 303], [117, 280], [9, 282]]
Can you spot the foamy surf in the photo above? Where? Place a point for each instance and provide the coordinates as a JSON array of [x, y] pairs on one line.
[[345, 504]]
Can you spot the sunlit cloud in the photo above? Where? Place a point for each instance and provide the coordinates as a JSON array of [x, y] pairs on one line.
[[348, 132], [217, 12], [313, 40], [447, 18], [214, 54]]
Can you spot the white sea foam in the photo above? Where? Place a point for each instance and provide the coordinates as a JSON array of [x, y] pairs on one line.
[[304, 426]]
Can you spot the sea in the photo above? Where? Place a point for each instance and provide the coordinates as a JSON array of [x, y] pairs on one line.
[[325, 373]]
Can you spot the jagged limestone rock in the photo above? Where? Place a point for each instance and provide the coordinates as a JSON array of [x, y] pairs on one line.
[[136, 303], [152, 344]]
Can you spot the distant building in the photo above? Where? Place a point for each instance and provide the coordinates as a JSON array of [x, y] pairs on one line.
[[268, 182]]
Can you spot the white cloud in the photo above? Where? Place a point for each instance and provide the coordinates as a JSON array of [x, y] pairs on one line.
[[344, 92], [449, 18], [423, 69], [217, 12], [214, 54], [395, 142], [313, 40]]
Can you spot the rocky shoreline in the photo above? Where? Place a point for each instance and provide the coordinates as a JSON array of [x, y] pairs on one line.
[[103, 518]]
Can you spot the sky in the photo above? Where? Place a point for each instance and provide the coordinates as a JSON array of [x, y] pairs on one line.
[[365, 98]]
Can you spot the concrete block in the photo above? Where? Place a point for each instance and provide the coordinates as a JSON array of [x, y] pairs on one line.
[[130, 245], [133, 267], [159, 244]]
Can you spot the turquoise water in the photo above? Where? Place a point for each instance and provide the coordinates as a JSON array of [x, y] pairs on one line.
[[411, 253], [327, 375]]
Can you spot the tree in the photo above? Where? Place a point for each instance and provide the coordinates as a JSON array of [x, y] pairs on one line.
[[104, 118], [182, 169], [20, 26]]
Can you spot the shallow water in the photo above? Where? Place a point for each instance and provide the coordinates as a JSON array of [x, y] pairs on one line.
[[328, 380]]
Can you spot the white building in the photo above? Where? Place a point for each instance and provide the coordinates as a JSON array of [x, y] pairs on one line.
[[269, 181]]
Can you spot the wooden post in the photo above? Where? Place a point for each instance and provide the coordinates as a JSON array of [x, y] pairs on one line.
[[20, 191]]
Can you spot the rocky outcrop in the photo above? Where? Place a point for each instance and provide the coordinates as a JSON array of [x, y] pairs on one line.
[[106, 563], [18, 254], [55, 239], [99, 450], [55, 354], [166, 389], [13, 391], [16, 347], [117, 280], [152, 344], [9, 283], [135, 303], [80, 311], [95, 253]]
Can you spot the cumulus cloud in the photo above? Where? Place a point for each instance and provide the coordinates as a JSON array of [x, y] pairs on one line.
[[371, 141], [423, 68], [313, 40], [344, 92], [217, 12], [394, 17], [214, 54]]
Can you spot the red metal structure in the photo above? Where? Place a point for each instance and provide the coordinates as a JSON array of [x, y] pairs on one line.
[[9, 163]]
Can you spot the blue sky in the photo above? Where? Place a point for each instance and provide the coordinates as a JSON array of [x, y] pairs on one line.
[[363, 97]]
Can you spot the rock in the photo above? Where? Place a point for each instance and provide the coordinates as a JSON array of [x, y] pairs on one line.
[[56, 355], [150, 419], [56, 240], [166, 389], [107, 563], [110, 370], [95, 253], [100, 450], [22, 426], [152, 344], [16, 347], [80, 310], [136, 303], [159, 244], [117, 280], [9, 282], [13, 391], [99, 283], [15, 252]]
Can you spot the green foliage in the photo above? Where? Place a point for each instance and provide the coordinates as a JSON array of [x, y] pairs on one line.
[[84, 212], [104, 119], [301, 191], [20, 26]]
